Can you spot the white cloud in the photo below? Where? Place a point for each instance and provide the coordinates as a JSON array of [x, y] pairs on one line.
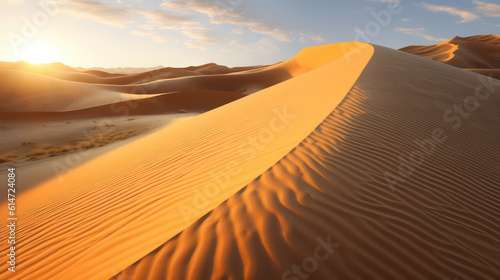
[[488, 9], [465, 15], [419, 32]]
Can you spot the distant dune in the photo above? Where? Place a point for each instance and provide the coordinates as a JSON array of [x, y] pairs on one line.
[[347, 161], [64, 72], [58, 88], [480, 54]]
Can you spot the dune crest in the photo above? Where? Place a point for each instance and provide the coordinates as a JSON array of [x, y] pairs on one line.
[[102, 217], [379, 182]]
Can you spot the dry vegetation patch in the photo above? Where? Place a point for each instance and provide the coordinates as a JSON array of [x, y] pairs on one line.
[[33, 150]]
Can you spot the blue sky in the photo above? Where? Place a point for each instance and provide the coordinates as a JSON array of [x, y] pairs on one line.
[[141, 33]]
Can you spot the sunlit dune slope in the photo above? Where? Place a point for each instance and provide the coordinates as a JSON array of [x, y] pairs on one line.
[[103, 216], [480, 54], [393, 184]]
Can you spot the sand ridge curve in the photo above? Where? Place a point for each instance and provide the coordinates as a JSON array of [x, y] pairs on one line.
[[86, 225], [439, 220]]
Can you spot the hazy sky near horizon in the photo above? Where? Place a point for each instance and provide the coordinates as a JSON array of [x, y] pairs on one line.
[[142, 33]]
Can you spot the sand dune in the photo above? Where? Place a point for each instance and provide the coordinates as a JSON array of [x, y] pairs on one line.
[[479, 54], [43, 94], [189, 101], [64, 72], [359, 162], [42, 150], [32, 92], [28, 92], [439, 222], [139, 212]]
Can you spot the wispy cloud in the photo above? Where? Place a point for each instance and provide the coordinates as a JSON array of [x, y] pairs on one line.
[[121, 16], [183, 16], [224, 13], [488, 9], [206, 36], [418, 32], [465, 15], [313, 37], [239, 31], [265, 45], [236, 43], [152, 34], [160, 19], [97, 11]]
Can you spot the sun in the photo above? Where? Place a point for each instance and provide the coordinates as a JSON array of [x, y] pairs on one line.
[[40, 52]]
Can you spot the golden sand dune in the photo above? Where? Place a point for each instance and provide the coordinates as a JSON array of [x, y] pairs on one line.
[[43, 95], [103, 216], [393, 184], [480, 54], [368, 164]]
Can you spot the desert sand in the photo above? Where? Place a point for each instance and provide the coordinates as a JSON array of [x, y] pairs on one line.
[[476, 53], [348, 161], [440, 221]]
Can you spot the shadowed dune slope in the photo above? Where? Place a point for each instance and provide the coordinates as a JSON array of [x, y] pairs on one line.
[[480, 53], [189, 101], [395, 184], [99, 218]]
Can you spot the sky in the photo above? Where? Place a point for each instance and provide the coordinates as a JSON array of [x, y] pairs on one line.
[[180, 33]]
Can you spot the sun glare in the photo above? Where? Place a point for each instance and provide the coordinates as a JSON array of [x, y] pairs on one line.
[[40, 53]]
